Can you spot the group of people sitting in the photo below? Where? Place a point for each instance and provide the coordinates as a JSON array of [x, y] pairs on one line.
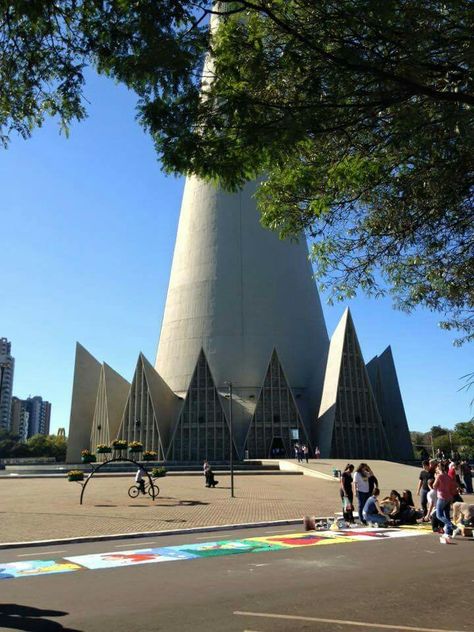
[[393, 510], [439, 489]]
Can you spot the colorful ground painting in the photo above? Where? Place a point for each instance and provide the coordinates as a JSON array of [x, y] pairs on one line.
[[306, 539], [114, 559], [13, 570], [229, 547]]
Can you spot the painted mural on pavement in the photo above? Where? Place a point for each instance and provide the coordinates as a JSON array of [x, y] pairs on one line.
[[260, 544]]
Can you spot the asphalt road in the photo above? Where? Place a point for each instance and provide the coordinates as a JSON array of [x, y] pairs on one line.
[[412, 583]]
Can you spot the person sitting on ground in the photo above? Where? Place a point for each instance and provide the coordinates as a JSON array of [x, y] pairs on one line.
[[140, 479], [372, 513], [390, 505], [408, 513], [463, 514]]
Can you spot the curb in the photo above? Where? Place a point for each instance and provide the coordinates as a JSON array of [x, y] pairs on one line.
[[15, 476], [149, 534]]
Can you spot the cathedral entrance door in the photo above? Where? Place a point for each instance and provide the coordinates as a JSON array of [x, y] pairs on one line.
[[277, 449]]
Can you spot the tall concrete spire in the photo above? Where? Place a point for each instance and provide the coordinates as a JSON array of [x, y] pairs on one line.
[[238, 292]]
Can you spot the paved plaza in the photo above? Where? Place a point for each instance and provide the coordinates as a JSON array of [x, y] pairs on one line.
[[48, 508]]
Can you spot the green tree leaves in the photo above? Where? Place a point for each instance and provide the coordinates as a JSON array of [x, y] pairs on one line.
[[357, 112]]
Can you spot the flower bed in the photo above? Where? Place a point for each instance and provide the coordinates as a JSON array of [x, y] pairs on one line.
[[103, 449], [120, 444], [135, 446], [158, 472], [149, 455], [75, 475], [87, 456]]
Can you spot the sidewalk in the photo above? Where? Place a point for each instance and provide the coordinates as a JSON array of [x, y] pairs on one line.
[[44, 509], [48, 508]]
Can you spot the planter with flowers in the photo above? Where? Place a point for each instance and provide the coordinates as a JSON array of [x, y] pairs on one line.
[[158, 472], [87, 456], [134, 447], [75, 475], [103, 449], [119, 444], [149, 455]]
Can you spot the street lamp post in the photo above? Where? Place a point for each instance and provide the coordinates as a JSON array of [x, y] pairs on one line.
[[231, 441]]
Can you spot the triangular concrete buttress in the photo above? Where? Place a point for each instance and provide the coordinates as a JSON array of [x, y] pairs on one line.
[[349, 423], [277, 423], [202, 429], [150, 410], [84, 394], [110, 402], [383, 376]]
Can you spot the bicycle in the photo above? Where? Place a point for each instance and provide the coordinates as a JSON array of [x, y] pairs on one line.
[[134, 490]]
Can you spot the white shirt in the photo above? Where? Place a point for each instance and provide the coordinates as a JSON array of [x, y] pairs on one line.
[[432, 496], [139, 475], [361, 483]]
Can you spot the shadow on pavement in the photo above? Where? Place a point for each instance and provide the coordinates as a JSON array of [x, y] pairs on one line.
[[191, 502], [16, 617]]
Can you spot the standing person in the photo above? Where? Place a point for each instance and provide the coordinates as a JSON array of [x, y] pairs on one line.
[[140, 479], [305, 452], [300, 453], [317, 452], [347, 494], [373, 482], [206, 469], [466, 476], [446, 489], [297, 451], [424, 487], [361, 488], [436, 525], [209, 474]]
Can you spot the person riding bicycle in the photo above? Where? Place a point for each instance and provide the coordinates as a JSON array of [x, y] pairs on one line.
[[140, 480]]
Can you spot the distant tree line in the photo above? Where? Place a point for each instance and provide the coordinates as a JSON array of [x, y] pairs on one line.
[[36, 446], [459, 439]]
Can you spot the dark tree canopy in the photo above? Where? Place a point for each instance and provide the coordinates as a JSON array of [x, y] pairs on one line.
[[358, 112]]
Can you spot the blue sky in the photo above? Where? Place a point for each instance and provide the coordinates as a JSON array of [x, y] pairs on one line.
[[88, 228]]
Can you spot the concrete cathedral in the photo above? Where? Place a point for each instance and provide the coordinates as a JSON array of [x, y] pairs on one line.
[[242, 310]]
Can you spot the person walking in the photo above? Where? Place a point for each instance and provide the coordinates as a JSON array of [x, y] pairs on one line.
[[317, 452], [361, 488], [446, 488]]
